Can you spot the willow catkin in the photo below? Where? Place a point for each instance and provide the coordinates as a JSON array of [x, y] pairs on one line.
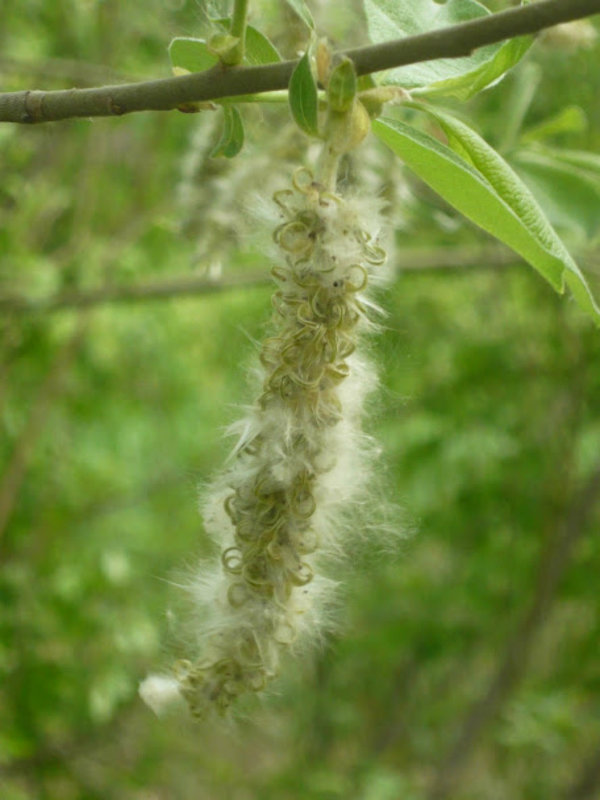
[[300, 461]]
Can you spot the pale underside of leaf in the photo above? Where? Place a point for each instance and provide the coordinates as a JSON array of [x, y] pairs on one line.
[[303, 12], [457, 77], [487, 74], [395, 19]]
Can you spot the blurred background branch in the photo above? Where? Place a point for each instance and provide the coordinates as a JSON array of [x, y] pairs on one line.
[[408, 260], [585, 786], [514, 663]]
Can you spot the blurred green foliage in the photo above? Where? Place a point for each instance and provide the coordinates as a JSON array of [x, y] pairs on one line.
[[111, 417]]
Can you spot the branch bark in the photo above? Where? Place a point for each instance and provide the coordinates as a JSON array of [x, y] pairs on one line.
[[170, 93], [586, 785], [513, 665], [409, 260]]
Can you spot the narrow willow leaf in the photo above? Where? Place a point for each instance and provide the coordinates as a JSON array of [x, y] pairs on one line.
[[303, 97], [487, 191], [232, 137], [303, 12], [395, 19], [459, 77], [571, 119], [582, 159], [569, 195], [191, 54], [470, 83]]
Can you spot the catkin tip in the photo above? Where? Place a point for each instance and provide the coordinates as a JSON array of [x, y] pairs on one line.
[[160, 693]]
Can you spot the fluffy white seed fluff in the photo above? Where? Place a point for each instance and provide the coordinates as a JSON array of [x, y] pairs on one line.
[[301, 463], [160, 693]]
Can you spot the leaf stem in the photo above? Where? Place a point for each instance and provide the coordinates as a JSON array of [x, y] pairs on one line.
[[327, 167], [277, 97], [238, 29]]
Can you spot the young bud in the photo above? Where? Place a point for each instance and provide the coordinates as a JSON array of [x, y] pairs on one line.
[[323, 59], [341, 89], [347, 129], [225, 47], [375, 98]]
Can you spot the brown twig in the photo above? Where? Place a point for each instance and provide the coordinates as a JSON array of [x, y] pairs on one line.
[[514, 663], [586, 785], [169, 93], [409, 260]]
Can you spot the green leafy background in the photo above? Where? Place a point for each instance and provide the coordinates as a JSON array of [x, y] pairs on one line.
[[112, 416]]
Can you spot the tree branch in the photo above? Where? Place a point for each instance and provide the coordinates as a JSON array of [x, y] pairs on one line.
[[586, 785], [409, 260], [218, 82], [513, 665]]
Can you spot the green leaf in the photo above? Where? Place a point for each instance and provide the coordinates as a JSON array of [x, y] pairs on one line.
[[191, 54], [232, 137], [258, 49], [470, 83], [194, 55], [571, 119], [582, 159], [364, 82], [301, 9], [303, 97], [460, 77], [487, 191], [569, 194]]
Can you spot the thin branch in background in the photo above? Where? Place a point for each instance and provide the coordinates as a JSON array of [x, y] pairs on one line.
[[587, 784], [409, 260], [15, 472], [513, 665], [159, 290], [170, 93]]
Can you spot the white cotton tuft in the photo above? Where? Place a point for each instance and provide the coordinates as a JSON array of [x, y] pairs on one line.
[[160, 693], [294, 490]]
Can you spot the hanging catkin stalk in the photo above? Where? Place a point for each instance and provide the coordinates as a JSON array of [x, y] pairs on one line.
[[301, 458]]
